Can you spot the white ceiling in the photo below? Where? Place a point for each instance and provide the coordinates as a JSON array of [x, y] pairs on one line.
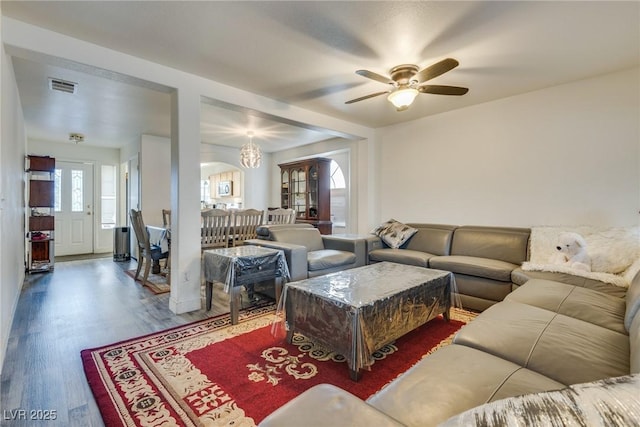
[[306, 54]]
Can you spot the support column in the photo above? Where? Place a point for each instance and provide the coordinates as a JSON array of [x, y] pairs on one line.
[[185, 194]]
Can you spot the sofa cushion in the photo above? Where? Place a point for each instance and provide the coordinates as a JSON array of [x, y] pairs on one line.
[[394, 233], [310, 238], [473, 302], [401, 256], [506, 330], [453, 379], [329, 258], [604, 310], [520, 277], [611, 401], [474, 266], [431, 238], [501, 243], [565, 349], [479, 293], [573, 351]]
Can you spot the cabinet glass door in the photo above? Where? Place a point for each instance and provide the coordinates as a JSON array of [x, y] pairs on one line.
[[285, 190], [299, 183], [313, 192]]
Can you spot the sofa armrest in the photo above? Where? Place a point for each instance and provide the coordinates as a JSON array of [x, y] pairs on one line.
[[296, 256], [264, 231], [357, 245], [328, 405]]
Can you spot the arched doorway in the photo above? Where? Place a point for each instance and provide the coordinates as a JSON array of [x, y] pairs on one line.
[[221, 185]]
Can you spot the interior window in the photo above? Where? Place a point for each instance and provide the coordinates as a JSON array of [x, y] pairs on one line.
[[108, 196], [337, 177]]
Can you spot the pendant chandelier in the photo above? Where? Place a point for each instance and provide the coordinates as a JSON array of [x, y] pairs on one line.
[[250, 153]]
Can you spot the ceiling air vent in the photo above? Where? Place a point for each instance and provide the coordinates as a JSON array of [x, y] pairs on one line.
[[62, 85]]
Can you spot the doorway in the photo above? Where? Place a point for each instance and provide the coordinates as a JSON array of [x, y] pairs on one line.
[[221, 186], [132, 197], [73, 212]]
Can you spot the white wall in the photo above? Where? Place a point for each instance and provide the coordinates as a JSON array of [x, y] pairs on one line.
[[65, 151], [563, 155], [155, 178], [12, 198]]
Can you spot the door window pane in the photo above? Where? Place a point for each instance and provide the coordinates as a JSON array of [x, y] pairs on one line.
[[77, 200]]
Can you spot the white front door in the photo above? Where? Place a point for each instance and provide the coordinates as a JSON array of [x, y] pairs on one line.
[[74, 214]]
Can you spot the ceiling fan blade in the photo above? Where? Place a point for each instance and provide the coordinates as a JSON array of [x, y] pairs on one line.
[[374, 76], [443, 90], [436, 69], [362, 98]]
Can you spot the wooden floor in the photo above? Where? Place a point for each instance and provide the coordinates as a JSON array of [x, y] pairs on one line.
[[81, 304]]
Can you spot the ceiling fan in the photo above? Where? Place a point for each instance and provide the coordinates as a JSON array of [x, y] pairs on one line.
[[407, 82]]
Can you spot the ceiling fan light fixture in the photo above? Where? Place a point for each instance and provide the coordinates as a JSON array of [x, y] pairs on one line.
[[250, 153], [407, 82], [403, 98]]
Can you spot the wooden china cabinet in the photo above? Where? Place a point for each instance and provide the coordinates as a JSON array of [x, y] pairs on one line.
[[305, 188]]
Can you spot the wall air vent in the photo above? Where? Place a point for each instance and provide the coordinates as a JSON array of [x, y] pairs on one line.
[[62, 85]]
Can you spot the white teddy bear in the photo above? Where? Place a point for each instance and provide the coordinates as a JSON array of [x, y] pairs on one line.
[[572, 251]]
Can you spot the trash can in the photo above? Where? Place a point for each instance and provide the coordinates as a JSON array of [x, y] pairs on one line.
[[121, 244]]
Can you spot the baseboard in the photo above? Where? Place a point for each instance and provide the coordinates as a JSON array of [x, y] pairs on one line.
[[6, 332], [185, 306]]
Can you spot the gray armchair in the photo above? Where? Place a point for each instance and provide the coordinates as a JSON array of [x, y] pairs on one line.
[[311, 254]]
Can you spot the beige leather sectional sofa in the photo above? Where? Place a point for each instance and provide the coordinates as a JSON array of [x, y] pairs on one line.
[[481, 258], [535, 336]]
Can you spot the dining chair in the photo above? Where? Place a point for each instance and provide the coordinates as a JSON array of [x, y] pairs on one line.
[[147, 253], [166, 223], [281, 216], [244, 225], [166, 218], [216, 224]]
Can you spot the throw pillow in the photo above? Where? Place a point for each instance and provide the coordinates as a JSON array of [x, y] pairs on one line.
[[394, 233]]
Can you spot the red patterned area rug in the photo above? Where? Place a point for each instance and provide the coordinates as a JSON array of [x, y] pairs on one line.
[[212, 373]]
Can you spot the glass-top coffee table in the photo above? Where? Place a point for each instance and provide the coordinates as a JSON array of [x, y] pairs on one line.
[[356, 312]]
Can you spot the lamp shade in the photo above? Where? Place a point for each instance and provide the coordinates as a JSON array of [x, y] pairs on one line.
[[403, 98]]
